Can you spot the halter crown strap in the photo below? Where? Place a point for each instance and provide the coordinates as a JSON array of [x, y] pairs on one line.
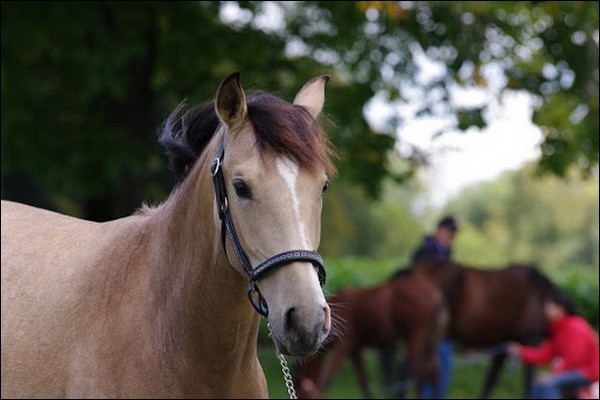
[[287, 257]]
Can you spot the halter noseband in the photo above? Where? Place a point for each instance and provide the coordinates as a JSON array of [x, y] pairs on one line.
[[287, 257]]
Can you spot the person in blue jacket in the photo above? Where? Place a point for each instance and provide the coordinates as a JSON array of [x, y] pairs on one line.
[[439, 245]]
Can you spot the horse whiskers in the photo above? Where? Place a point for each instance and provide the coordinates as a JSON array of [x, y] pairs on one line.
[[338, 322], [337, 332]]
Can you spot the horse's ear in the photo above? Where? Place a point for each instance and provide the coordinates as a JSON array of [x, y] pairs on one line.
[[230, 103], [312, 95]]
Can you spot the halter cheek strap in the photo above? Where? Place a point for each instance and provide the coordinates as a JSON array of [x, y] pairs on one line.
[[287, 257]]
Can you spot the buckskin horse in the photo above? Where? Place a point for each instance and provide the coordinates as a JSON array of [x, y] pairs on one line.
[[491, 306], [156, 304], [409, 309]]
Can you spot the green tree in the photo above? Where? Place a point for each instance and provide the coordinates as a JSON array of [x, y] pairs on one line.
[[355, 225], [85, 85], [549, 49], [521, 217]]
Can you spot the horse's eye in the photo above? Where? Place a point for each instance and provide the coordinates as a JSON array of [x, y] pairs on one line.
[[241, 189], [325, 187]]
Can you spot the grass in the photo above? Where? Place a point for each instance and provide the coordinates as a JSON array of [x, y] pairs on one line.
[[467, 381]]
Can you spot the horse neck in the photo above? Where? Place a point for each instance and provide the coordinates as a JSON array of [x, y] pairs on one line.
[[205, 300]]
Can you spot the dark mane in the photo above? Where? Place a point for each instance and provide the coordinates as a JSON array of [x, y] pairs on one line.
[[280, 127], [185, 134], [539, 279], [551, 291]]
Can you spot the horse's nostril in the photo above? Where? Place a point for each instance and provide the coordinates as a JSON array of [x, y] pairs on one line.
[[291, 319], [326, 319]]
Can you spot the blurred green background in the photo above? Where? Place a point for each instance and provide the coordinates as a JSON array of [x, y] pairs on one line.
[[86, 85]]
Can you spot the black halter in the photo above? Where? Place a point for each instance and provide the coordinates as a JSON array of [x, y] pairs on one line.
[[254, 295]]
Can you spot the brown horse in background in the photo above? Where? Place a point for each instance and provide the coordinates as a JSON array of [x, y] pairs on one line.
[[489, 307], [409, 308]]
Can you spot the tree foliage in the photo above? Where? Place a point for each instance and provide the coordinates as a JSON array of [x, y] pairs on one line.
[[86, 84], [549, 49], [521, 217]]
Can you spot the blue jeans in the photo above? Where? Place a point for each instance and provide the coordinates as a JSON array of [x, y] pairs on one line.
[[445, 354], [552, 387]]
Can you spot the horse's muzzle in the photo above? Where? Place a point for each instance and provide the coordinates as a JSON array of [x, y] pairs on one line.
[[298, 339]]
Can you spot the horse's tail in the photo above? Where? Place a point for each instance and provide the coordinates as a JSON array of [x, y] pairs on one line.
[[549, 290]]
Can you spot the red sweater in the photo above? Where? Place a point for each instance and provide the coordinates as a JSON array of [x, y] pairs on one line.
[[573, 342]]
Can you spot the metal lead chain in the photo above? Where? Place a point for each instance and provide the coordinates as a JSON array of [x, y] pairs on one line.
[[287, 376], [289, 383]]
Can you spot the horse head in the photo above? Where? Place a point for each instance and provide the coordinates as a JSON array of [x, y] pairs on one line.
[[274, 161]]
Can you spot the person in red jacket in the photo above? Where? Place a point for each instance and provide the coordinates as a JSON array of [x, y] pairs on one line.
[[571, 348]]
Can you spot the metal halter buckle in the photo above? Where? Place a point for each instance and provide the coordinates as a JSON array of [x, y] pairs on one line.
[[215, 166]]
